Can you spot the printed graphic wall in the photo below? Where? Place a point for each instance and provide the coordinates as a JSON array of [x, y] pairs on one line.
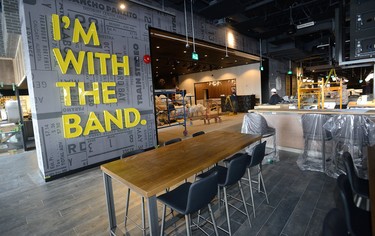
[[91, 92]]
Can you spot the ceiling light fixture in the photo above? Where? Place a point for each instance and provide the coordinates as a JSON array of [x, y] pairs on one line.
[[194, 55], [305, 25], [226, 43], [290, 72], [260, 55], [122, 6]]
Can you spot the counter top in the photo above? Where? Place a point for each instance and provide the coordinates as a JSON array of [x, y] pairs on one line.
[[273, 109]]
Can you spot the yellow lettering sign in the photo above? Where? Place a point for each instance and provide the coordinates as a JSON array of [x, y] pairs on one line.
[[66, 89], [69, 59], [71, 125], [82, 93], [78, 32], [109, 119], [107, 92], [93, 124]]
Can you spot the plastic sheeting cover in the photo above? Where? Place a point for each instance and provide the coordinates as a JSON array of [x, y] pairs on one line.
[[318, 143], [351, 133], [254, 123]]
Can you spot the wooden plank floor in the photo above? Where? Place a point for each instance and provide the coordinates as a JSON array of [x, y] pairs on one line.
[[75, 205]]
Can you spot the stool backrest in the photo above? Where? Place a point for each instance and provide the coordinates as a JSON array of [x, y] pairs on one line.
[[236, 169], [350, 171], [201, 193], [254, 123], [354, 216], [349, 129], [312, 126], [258, 154]]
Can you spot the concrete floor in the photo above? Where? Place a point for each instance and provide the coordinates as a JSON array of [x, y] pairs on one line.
[[75, 204]]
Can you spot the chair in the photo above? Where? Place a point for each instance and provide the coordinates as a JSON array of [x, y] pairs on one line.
[[198, 133], [357, 220], [312, 126], [334, 223], [175, 140], [254, 123], [229, 176], [255, 160], [143, 226], [359, 186], [349, 133], [189, 198]]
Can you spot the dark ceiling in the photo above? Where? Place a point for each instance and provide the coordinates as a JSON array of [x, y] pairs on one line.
[[278, 24], [171, 57], [275, 22]]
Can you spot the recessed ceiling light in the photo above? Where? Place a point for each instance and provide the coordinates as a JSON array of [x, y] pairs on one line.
[[171, 72], [157, 46], [195, 64], [184, 51], [157, 67], [173, 68], [222, 58], [157, 59], [157, 72], [205, 55], [235, 60]]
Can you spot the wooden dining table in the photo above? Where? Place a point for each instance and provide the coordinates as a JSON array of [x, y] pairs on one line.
[[151, 172]]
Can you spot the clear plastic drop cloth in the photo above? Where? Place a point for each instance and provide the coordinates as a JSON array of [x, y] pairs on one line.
[[352, 133], [318, 143], [254, 123]]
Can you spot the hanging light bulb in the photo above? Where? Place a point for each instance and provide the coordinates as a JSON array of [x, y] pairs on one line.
[[186, 27], [290, 72], [192, 27], [226, 43], [260, 53]]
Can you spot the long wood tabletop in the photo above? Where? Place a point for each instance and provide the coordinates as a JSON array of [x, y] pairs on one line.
[[151, 172]]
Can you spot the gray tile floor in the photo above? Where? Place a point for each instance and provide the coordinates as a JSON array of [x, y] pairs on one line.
[[75, 205]]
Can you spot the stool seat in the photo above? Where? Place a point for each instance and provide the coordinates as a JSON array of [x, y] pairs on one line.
[[228, 176], [357, 220], [189, 198], [254, 123]]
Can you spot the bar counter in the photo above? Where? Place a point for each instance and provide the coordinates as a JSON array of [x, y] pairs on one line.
[[288, 124], [290, 135]]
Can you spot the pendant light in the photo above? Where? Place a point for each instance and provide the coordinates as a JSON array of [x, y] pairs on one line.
[[226, 42], [186, 27], [290, 72], [291, 27], [260, 54], [192, 25]]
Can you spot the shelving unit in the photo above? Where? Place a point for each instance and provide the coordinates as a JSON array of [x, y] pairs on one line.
[[320, 89], [168, 109]]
